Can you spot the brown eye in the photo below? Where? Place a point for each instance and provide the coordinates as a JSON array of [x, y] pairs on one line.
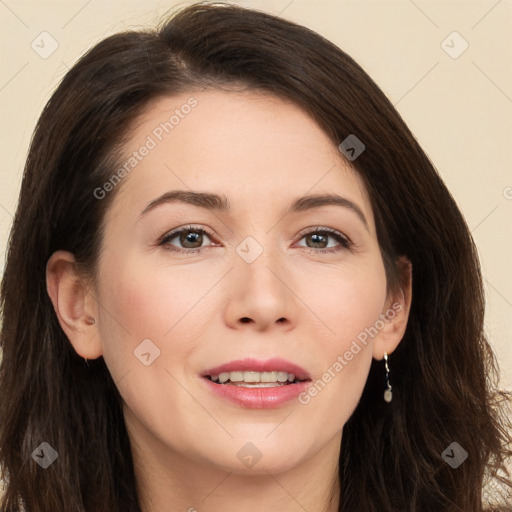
[[190, 239], [320, 239]]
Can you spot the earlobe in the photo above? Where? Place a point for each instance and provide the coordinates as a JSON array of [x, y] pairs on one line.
[[396, 313], [73, 304]]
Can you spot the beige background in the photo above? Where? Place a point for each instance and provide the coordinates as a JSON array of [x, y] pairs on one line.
[[460, 109]]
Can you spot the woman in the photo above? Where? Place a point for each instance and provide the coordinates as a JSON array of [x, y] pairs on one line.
[[235, 280]]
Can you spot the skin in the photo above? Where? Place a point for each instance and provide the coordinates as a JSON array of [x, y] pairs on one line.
[[261, 152]]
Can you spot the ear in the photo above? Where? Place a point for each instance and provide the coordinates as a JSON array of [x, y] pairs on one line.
[[395, 313], [74, 305]]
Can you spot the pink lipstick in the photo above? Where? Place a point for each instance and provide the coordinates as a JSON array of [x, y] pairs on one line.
[[252, 383]]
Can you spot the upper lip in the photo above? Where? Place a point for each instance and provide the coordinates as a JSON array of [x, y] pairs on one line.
[[275, 364]]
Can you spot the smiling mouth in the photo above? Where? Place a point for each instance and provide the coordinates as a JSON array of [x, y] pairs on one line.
[[250, 379]]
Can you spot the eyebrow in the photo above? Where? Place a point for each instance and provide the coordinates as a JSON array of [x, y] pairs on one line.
[[219, 202]]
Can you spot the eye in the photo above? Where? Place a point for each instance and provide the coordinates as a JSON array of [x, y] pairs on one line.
[[190, 237], [319, 237]]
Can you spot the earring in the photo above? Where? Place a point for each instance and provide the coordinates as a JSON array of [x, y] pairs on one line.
[[86, 362], [388, 394], [91, 320]]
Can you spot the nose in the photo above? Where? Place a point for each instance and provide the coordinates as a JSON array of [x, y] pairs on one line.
[[259, 296]]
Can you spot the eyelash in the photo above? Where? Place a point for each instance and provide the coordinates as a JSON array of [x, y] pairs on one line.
[[345, 243]]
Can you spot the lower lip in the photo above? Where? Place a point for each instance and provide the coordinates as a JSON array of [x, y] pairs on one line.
[[258, 398]]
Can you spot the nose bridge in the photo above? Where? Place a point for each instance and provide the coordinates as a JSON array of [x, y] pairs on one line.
[[259, 258], [258, 289]]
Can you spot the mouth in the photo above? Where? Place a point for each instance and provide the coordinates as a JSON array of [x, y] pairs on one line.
[[255, 379], [255, 384], [254, 372]]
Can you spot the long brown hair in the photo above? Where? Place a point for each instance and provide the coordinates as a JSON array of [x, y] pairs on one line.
[[444, 371]]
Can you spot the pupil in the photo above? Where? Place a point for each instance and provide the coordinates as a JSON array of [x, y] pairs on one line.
[[316, 236], [189, 237]]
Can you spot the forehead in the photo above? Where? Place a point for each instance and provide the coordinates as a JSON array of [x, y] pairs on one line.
[[252, 147]]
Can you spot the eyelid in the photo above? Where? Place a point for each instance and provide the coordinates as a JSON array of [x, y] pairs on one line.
[[344, 241], [323, 229], [174, 232]]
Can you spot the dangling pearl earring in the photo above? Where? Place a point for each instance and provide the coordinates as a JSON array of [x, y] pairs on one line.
[[388, 394]]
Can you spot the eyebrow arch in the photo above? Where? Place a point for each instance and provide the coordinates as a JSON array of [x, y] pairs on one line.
[[220, 202]]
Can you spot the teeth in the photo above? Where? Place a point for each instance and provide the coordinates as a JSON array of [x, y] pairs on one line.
[[236, 376], [253, 377], [268, 377]]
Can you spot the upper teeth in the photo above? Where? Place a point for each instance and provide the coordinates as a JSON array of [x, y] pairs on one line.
[[249, 376]]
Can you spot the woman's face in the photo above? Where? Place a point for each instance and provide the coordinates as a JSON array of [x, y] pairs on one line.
[[260, 287]]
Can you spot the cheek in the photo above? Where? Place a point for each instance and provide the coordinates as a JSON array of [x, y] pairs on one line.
[[349, 301], [147, 309], [149, 300], [362, 297], [140, 302], [360, 302], [131, 311], [346, 299]]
